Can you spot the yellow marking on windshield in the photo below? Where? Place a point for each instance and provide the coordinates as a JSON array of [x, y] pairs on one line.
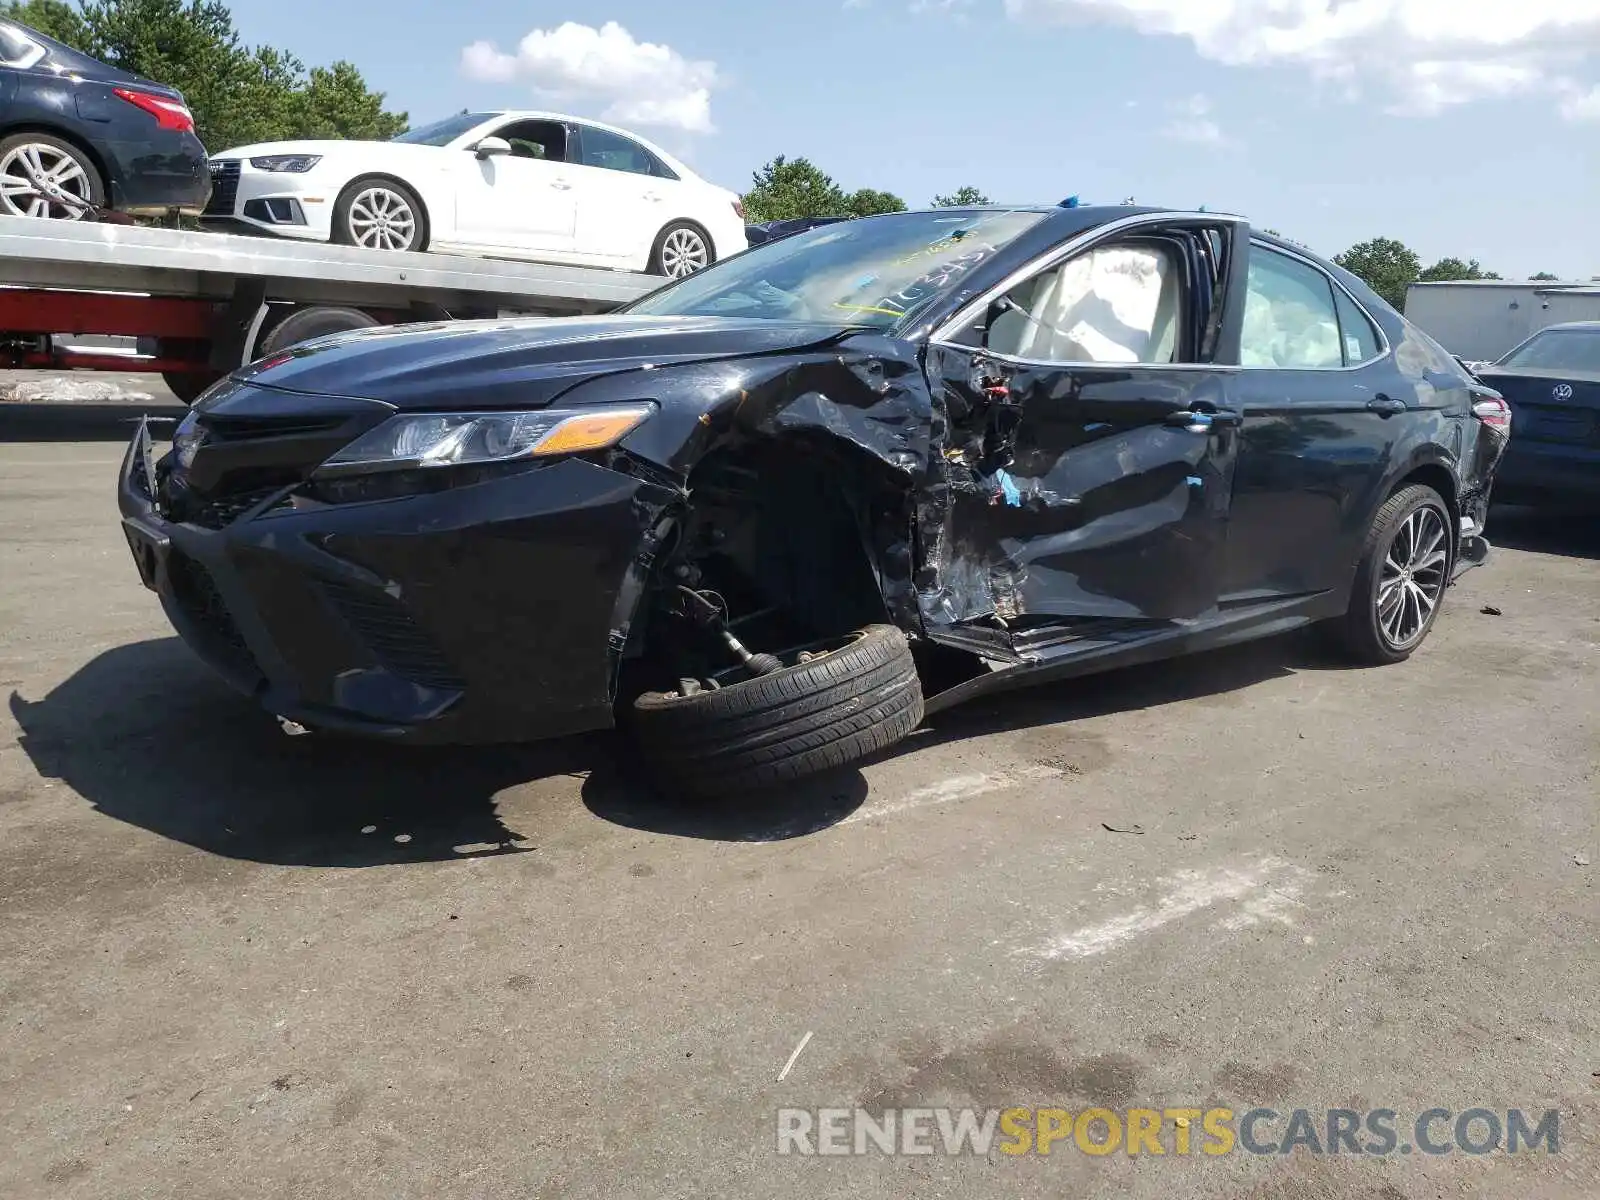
[[888, 312]]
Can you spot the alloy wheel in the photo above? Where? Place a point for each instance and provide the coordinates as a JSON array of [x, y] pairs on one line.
[[382, 220], [1413, 577], [683, 253], [40, 180]]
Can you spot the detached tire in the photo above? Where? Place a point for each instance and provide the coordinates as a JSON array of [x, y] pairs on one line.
[[1401, 580], [817, 716]]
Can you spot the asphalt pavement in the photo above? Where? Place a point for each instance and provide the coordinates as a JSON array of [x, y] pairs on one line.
[[237, 964]]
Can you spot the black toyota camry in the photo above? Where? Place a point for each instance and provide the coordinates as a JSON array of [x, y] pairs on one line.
[[772, 514]]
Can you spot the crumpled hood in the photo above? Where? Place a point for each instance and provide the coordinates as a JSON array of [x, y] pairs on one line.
[[520, 363]]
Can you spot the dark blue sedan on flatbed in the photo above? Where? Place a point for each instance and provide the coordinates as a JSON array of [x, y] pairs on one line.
[[77, 135]]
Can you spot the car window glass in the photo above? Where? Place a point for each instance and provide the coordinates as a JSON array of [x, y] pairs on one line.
[[17, 49], [1289, 316], [613, 152], [545, 140], [1114, 304], [442, 133], [880, 271], [1558, 350], [1361, 343]]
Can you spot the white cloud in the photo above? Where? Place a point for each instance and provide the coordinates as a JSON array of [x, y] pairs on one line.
[[1192, 121], [1578, 105], [1432, 54], [638, 83]]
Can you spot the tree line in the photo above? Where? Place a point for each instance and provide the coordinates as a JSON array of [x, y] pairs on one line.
[[239, 94]]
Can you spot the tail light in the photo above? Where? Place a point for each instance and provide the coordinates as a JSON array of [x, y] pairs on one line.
[[738, 208], [1492, 409], [169, 113]]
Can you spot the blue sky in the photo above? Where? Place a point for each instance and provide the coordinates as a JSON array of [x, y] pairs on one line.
[[1464, 127]]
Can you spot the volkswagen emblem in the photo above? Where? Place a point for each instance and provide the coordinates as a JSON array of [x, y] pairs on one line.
[[1562, 391]]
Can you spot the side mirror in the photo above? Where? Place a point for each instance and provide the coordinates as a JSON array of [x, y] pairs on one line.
[[490, 147]]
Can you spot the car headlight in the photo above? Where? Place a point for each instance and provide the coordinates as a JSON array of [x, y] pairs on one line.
[[186, 440], [289, 164], [425, 441]]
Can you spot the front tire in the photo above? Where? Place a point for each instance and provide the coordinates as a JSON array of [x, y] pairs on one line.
[[1400, 582], [43, 176], [681, 249], [380, 214], [818, 715]]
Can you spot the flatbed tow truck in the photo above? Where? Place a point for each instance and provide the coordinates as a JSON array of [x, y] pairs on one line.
[[202, 304]]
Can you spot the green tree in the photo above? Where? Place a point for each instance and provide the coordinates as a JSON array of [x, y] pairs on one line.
[[238, 94], [961, 198], [866, 203], [1544, 277], [53, 18], [336, 103], [1386, 266], [786, 189], [1448, 270]]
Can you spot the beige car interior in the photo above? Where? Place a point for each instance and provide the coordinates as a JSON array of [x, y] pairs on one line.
[[1116, 304]]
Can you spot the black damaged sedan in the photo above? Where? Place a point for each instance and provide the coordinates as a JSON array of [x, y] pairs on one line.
[[772, 514]]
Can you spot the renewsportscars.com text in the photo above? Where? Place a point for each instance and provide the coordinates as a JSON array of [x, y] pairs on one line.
[[1179, 1132]]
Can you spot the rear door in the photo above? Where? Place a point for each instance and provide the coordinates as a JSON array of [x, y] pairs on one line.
[[625, 194], [1090, 444], [1324, 407]]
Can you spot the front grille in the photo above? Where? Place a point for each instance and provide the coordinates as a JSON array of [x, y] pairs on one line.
[[197, 594], [224, 188], [385, 625], [219, 512], [222, 428]]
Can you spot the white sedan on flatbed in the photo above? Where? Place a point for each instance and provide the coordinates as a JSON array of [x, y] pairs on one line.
[[506, 184]]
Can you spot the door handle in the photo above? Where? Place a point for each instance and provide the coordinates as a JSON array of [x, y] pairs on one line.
[[561, 185], [1386, 406], [1204, 422], [654, 197]]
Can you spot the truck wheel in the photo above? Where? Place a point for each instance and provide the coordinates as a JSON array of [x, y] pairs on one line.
[[380, 214], [1401, 579], [188, 386], [43, 176], [681, 249], [830, 710], [306, 323]]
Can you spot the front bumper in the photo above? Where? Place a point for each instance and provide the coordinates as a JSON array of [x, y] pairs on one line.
[[280, 203], [487, 613]]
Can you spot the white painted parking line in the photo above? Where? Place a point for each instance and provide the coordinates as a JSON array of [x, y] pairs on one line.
[[948, 791], [1267, 889]]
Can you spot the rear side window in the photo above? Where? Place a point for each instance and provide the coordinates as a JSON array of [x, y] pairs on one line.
[[1290, 319], [613, 152], [17, 50], [1361, 341]]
